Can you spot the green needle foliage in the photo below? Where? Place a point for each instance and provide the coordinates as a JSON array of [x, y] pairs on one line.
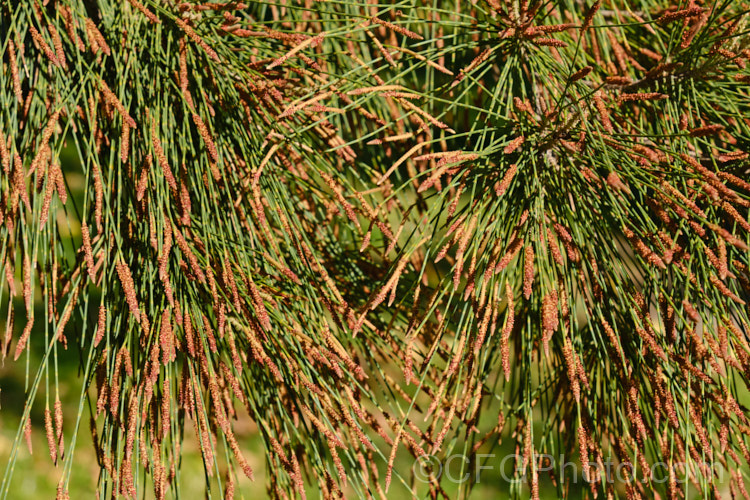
[[382, 231]]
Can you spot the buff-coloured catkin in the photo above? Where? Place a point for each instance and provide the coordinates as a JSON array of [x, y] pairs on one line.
[[59, 426], [27, 434], [15, 78], [98, 196], [70, 27], [95, 38], [550, 319], [125, 142], [5, 157], [50, 432], [24, 338], [57, 44], [570, 363], [47, 134], [59, 181], [48, 192]]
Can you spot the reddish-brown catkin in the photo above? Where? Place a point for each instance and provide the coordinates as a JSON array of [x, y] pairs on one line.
[[742, 221], [150, 15], [87, 250], [126, 280], [398, 29], [57, 44], [507, 330], [166, 420], [112, 99], [523, 105], [27, 284], [197, 39], [551, 28], [59, 179], [617, 80], [100, 325], [162, 158], [44, 46], [506, 181], [680, 14], [392, 459], [733, 179], [601, 108], [705, 131], [166, 337], [589, 19], [549, 42], [188, 253], [554, 248], [528, 271], [642, 96], [206, 136], [581, 73], [513, 145], [244, 465]]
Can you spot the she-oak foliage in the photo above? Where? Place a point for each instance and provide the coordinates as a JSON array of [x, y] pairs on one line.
[[381, 231]]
